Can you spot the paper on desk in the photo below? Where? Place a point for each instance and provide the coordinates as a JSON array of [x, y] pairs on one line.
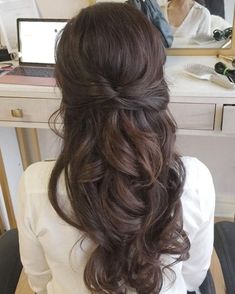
[[10, 10]]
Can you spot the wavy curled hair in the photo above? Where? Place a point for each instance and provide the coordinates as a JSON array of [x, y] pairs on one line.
[[123, 177]]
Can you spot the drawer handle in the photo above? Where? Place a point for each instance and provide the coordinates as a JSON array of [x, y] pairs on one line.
[[17, 112]]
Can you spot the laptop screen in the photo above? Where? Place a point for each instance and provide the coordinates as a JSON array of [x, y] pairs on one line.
[[36, 39]]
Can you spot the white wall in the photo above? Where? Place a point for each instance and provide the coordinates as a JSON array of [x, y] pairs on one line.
[[57, 9], [229, 10], [219, 156], [49, 144], [60, 8], [13, 166]]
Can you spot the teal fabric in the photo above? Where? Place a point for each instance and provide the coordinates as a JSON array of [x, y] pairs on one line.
[[153, 12]]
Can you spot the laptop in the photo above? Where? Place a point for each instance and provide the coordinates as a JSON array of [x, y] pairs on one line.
[[36, 47]]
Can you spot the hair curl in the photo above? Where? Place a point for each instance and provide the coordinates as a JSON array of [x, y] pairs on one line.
[[123, 177]]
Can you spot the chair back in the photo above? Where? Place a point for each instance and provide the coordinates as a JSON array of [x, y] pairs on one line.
[[10, 264], [225, 249]]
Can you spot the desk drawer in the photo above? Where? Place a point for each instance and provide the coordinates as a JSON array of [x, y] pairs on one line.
[[193, 116], [29, 110], [228, 125]]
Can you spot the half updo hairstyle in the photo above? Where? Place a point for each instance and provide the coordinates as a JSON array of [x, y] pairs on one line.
[[123, 177]]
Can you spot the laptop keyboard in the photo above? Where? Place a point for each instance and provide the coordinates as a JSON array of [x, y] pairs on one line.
[[32, 72]]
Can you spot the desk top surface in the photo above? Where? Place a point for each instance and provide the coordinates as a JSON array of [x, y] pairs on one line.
[[180, 84]]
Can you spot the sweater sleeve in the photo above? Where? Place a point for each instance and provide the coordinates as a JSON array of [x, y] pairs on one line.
[[31, 251]]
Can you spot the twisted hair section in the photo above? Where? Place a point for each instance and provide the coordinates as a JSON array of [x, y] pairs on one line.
[[123, 177]]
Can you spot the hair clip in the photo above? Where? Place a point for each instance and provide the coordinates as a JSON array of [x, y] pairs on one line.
[[219, 35], [222, 69]]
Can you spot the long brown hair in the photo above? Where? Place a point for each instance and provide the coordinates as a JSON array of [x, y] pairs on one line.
[[123, 177]]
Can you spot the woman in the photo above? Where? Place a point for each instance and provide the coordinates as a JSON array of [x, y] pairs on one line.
[[188, 19], [123, 206]]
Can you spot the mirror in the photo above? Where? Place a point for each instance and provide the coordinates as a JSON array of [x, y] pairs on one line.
[[222, 13], [200, 23]]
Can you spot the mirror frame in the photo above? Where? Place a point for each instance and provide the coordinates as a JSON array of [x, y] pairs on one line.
[[199, 51], [206, 51]]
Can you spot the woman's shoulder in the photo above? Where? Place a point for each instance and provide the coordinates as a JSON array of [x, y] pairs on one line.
[[198, 196], [197, 173], [33, 190], [200, 9], [37, 175], [192, 164]]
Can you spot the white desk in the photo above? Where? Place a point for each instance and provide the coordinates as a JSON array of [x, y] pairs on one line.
[[199, 107]]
